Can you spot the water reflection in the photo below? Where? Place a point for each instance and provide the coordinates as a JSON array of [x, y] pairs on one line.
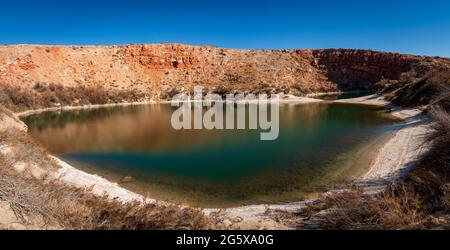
[[319, 144]]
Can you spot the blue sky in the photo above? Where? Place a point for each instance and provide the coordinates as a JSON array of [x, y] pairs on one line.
[[416, 27]]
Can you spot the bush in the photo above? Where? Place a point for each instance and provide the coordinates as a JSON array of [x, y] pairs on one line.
[[43, 95], [412, 89]]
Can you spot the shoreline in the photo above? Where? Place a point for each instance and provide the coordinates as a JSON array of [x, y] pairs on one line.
[[399, 154], [284, 99], [100, 185], [81, 107], [395, 157]]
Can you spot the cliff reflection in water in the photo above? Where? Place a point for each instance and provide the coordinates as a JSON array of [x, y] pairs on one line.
[[319, 144]]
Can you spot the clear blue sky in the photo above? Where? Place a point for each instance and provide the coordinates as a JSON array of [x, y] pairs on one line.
[[401, 26]]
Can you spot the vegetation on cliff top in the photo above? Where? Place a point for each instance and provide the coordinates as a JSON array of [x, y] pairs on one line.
[[47, 76]]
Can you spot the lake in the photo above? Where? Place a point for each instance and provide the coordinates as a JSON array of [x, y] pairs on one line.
[[320, 145]]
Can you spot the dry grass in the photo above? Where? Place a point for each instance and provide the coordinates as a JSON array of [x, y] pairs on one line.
[[414, 89], [421, 200], [46, 202], [26, 149], [63, 206], [44, 95], [26, 206]]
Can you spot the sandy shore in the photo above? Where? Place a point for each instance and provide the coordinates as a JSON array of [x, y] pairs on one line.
[[92, 106], [283, 99], [402, 151], [397, 156]]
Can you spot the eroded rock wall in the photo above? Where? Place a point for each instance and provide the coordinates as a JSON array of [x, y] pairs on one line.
[[359, 69], [158, 71]]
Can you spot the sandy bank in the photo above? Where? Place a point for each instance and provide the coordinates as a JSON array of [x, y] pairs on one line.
[[92, 106], [284, 99], [98, 184], [402, 151]]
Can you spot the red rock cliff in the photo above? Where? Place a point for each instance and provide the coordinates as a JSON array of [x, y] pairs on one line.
[[360, 68], [157, 71]]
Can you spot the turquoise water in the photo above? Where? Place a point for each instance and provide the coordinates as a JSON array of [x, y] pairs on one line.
[[319, 145]]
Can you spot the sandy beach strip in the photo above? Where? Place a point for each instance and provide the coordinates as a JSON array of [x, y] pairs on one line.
[[99, 185], [284, 99], [398, 155], [404, 149], [91, 106]]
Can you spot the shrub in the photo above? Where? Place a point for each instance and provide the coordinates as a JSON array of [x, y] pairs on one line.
[[43, 95], [420, 201], [411, 89]]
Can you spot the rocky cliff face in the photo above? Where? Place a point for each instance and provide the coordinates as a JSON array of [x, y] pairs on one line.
[[359, 69], [158, 71]]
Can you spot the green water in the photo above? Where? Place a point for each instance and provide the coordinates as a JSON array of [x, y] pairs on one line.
[[319, 145], [344, 95]]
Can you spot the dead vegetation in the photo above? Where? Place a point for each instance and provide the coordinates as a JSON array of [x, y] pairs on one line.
[[44, 95], [418, 87], [26, 149], [60, 206]]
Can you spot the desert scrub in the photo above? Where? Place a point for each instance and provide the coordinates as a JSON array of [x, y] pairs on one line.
[[44, 95], [413, 89]]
